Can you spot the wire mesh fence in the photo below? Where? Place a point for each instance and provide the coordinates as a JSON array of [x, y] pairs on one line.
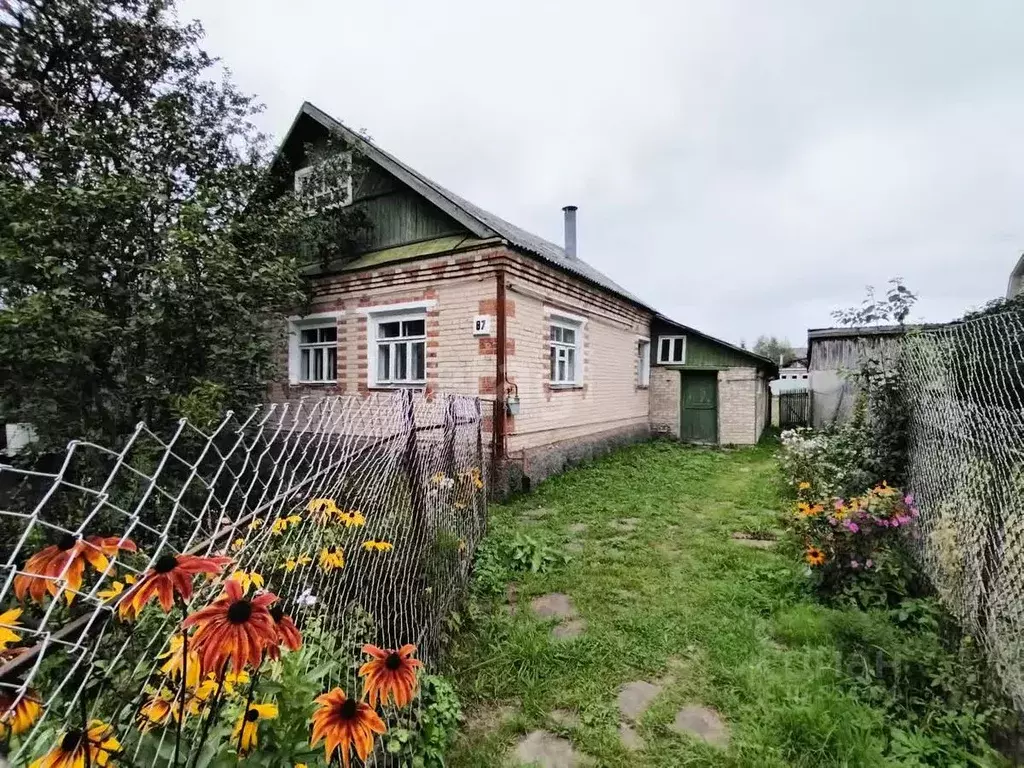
[[964, 387], [154, 597]]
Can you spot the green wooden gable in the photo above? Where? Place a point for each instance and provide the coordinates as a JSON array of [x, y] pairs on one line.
[[397, 215], [703, 351]]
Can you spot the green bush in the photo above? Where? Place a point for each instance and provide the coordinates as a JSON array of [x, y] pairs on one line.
[[424, 742]]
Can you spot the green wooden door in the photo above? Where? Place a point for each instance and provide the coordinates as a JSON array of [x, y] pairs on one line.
[[699, 418]]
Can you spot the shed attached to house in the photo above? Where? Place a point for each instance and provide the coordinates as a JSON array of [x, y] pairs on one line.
[[705, 390]]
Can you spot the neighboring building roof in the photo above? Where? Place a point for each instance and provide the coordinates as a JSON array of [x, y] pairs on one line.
[[481, 223], [815, 334], [1016, 283], [761, 359]]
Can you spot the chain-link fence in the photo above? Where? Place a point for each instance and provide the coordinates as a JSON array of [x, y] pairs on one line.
[[964, 385], [359, 514]]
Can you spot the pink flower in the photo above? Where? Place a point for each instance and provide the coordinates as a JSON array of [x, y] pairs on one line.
[[909, 499], [839, 504], [854, 564], [870, 563], [851, 526]]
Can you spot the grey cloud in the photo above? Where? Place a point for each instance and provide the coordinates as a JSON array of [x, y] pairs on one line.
[[746, 167]]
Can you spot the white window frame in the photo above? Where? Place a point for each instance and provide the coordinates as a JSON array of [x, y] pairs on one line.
[[345, 184], [310, 322], [378, 318], [574, 324], [643, 371], [672, 340]]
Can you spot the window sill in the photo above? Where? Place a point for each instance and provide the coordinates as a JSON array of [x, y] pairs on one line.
[[564, 387], [643, 386], [392, 387], [331, 383]]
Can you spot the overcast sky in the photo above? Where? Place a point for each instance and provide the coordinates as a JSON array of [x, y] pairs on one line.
[[745, 167]]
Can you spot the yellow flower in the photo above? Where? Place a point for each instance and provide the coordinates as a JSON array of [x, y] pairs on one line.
[[351, 519], [378, 546], [9, 619], [114, 590], [815, 556], [244, 735], [237, 544], [331, 558], [324, 509], [255, 523], [175, 661], [158, 710], [281, 524], [437, 478], [803, 486], [806, 510], [294, 562], [76, 748], [247, 579], [301, 765]]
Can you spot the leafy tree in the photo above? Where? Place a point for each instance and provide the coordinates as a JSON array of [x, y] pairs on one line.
[[893, 309], [773, 348], [148, 247]]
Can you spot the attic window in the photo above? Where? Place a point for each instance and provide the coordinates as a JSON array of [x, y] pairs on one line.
[[672, 349], [327, 184]]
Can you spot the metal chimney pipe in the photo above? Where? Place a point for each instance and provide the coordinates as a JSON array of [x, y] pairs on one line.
[[570, 230]]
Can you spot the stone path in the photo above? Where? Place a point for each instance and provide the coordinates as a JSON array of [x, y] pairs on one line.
[[636, 697], [549, 750], [559, 606], [702, 723], [546, 750]]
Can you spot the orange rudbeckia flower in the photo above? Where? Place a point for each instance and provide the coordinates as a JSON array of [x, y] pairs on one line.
[[344, 723], [233, 628], [68, 556], [288, 634], [170, 574], [390, 674]]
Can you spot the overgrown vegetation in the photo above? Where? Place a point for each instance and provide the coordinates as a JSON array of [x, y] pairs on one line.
[[740, 629], [856, 533], [148, 250]]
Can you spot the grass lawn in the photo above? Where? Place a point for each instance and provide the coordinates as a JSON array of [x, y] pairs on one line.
[[674, 602]]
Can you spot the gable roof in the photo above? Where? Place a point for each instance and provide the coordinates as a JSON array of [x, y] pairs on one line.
[[772, 365], [481, 223]]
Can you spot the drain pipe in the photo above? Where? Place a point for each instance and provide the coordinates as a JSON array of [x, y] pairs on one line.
[[500, 374]]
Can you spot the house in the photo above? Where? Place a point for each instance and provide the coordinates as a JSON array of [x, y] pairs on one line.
[[446, 296], [706, 390]]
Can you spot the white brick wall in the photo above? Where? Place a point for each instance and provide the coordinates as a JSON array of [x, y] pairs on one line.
[[737, 406], [608, 398], [666, 389]]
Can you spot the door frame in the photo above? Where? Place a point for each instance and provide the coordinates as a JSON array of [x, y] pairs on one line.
[[682, 401]]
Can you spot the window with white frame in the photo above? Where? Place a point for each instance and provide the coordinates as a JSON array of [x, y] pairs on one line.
[[326, 184], [672, 349], [565, 343], [400, 342], [643, 362], [316, 352]]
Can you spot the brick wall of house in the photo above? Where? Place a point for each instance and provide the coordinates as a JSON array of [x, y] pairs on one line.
[[457, 287], [554, 427], [665, 394], [608, 401], [737, 406]]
